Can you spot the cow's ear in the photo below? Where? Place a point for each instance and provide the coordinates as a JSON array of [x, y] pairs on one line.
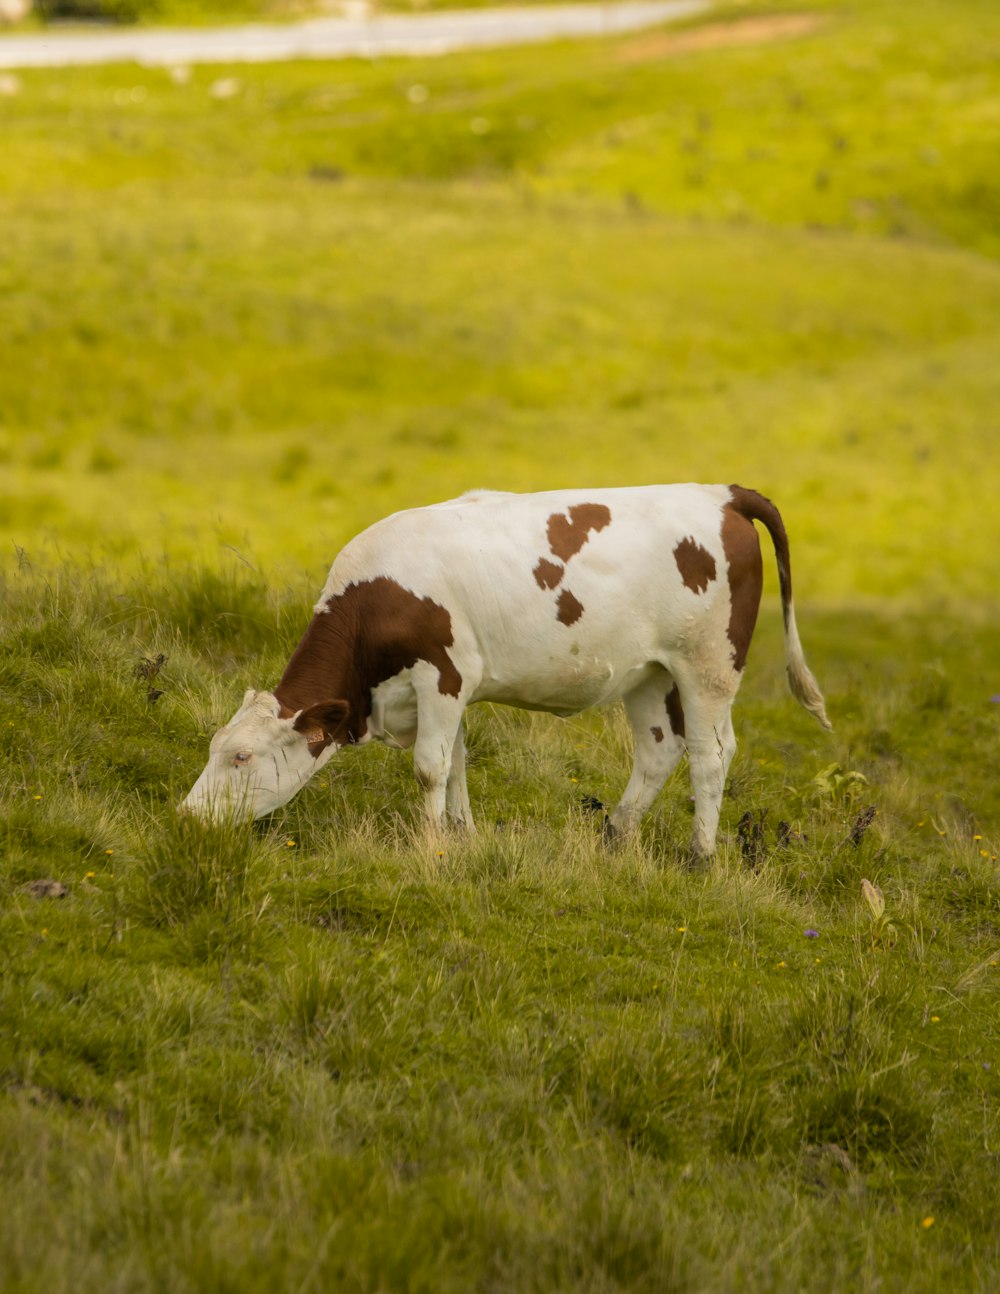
[[249, 696], [322, 723]]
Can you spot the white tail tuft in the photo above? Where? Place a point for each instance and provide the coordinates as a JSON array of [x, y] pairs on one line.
[[804, 687]]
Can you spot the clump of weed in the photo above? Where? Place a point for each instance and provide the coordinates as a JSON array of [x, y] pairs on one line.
[[497, 856], [742, 1070], [187, 867], [969, 889], [872, 1115], [883, 930], [36, 838], [852, 1085], [310, 994], [644, 1088], [213, 610]]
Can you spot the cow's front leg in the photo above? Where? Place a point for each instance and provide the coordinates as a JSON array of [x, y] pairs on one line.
[[439, 722]]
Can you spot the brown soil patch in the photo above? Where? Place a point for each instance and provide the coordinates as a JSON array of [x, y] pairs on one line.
[[650, 47]]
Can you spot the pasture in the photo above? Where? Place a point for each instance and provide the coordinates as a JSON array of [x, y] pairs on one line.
[[248, 311]]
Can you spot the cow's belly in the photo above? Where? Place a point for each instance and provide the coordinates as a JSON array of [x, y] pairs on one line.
[[574, 686]]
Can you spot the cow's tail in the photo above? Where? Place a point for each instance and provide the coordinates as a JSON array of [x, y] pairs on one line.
[[805, 689]]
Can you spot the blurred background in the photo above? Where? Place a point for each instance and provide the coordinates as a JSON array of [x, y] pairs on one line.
[[256, 307]]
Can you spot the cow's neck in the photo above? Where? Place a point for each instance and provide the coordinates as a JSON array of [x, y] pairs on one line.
[[327, 666], [369, 632]]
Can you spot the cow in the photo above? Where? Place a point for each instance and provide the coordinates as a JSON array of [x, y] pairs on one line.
[[554, 601]]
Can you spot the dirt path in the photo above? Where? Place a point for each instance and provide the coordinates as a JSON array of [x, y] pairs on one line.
[[361, 33], [653, 46]]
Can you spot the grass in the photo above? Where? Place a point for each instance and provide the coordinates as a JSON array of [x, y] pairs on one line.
[[321, 1053]]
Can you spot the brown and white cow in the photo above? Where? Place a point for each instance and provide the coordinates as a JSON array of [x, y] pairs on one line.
[[556, 601]]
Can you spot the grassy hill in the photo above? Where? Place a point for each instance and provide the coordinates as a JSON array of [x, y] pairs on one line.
[[220, 291], [246, 312]]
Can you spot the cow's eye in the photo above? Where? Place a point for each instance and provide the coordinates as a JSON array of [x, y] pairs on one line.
[[242, 757]]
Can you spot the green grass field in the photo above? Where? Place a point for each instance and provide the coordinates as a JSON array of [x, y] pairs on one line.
[[246, 312]]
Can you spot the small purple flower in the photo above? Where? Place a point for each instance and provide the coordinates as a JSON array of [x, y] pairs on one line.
[[995, 699], [811, 934]]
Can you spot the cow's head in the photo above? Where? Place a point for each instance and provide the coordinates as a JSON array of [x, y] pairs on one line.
[[260, 759]]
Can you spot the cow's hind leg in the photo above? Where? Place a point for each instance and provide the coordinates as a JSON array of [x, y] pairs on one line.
[[711, 745], [657, 724], [457, 789]]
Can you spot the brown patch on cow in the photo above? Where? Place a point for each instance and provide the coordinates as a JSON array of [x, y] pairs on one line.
[[755, 507], [657, 734], [720, 35], [675, 711], [568, 534], [568, 608], [746, 580], [367, 634], [696, 565], [547, 574]]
